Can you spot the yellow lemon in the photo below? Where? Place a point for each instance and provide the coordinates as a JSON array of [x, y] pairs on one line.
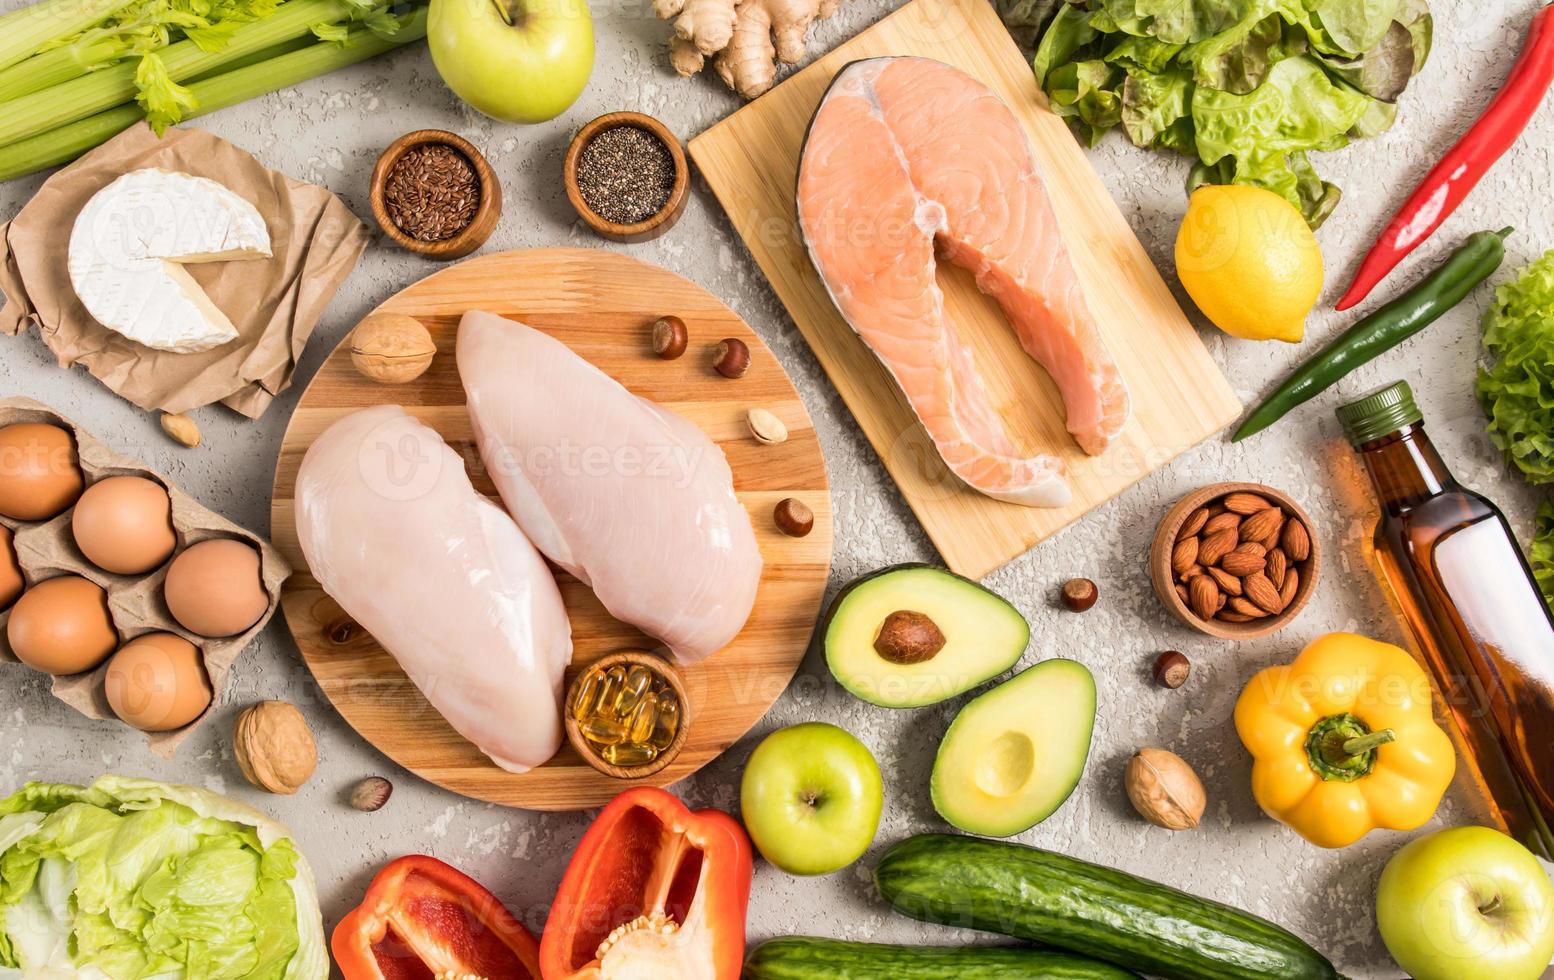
[[1249, 260]]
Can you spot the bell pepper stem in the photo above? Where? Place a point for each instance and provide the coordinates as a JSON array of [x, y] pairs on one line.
[[1342, 747], [1365, 743]]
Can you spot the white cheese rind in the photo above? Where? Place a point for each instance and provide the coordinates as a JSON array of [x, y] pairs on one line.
[[131, 241]]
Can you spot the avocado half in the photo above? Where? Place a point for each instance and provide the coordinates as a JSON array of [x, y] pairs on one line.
[[1014, 755], [912, 635]]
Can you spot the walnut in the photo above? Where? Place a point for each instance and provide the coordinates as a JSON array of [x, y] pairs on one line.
[[274, 747], [1164, 789], [391, 348]]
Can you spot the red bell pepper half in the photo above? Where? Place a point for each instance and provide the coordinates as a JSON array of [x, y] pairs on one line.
[[653, 891], [424, 920]]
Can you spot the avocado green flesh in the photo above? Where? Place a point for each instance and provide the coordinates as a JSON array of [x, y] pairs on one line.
[[1012, 756], [984, 636]]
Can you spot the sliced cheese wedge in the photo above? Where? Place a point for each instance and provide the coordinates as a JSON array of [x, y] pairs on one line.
[[130, 245]]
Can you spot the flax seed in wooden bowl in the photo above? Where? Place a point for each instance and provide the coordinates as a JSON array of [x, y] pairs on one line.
[[434, 194], [1246, 562]]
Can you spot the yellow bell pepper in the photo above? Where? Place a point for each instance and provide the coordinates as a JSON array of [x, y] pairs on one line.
[[1343, 741]]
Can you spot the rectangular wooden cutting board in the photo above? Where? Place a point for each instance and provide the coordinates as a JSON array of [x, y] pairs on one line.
[[1179, 395]]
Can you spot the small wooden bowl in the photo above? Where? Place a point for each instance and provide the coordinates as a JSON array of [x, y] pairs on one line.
[[659, 223], [661, 668], [486, 215], [1165, 542]]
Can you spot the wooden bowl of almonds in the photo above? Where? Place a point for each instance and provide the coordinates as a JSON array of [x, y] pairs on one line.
[[1235, 560], [434, 194]]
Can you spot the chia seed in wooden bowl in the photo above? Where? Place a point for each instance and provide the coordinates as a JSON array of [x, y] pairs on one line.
[[627, 176]]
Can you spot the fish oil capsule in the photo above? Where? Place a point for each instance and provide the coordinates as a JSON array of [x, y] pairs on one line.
[[585, 696], [641, 728], [638, 681], [603, 731], [627, 754], [610, 690], [667, 721]]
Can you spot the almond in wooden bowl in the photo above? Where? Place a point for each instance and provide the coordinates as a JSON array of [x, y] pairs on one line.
[[1235, 560], [627, 714]]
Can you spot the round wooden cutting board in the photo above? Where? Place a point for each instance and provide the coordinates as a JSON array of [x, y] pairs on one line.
[[601, 305]]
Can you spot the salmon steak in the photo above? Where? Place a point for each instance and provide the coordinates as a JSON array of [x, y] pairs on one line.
[[908, 160]]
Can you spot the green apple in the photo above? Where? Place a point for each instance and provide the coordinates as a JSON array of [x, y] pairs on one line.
[[1468, 903], [811, 798], [516, 60]]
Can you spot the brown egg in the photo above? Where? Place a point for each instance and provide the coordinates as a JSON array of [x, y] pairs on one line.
[[10, 571], [214, 588], [39, 473], [61, 626], [157, 682], [124, 524]]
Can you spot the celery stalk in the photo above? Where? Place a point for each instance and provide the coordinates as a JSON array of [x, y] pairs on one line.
[[24, 31], [64, 144], [56, 65], [99, 90]]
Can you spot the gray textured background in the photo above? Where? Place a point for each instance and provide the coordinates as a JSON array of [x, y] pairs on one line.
[[331, 130]]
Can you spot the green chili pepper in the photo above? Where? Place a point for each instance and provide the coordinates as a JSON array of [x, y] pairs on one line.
[[1473, 262]]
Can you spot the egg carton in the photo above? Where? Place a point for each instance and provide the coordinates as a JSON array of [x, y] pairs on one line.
[[47, 549]]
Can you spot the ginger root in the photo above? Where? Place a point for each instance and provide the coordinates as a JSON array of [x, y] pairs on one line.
[[738, 36]]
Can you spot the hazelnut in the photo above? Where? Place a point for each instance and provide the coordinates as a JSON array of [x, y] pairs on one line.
[[391, 348], [181, 429], [1079, 594], [766, 426], [732, 358], [1172, 669], [669, 337], [274, 747], [1164, 789], [371, 793], [793, 517], [908, 637]]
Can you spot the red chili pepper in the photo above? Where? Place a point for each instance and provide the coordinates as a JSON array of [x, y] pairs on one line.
[[422, 919], [653, 890], [1465, 164]]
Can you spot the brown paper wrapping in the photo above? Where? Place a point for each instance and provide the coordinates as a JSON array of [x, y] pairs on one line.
[[48, 549], [274, 303]]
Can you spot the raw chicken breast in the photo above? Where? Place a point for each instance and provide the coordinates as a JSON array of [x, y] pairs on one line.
[[632, 499], [906, 155], [441, 577]]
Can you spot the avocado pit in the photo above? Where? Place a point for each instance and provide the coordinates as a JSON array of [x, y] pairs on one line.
[[907, 637]]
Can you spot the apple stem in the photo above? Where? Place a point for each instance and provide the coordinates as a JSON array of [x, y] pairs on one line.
[[1492, 907], [503, 11]]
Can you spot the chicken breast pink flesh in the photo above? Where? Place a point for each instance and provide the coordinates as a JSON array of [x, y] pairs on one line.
[[629, 497], [441, 577], [906, 155]]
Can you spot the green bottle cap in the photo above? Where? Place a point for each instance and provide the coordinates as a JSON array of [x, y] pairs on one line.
[[1380, 413]]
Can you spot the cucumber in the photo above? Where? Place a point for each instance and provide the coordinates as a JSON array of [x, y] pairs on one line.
[[1060, 901], [802, 958]]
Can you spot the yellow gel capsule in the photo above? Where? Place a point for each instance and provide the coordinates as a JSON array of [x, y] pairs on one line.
[[603, 731], [627, 755], [667, 722], [641, 727], [585, 696], [637, 683], [610, 690]]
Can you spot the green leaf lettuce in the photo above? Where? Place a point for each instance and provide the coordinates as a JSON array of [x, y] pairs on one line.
[[1516, 388], [1246, 88]]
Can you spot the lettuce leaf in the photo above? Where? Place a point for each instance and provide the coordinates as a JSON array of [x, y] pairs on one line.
[[1248, 88], [137, 880], [1541, 553], [1516, 388]]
